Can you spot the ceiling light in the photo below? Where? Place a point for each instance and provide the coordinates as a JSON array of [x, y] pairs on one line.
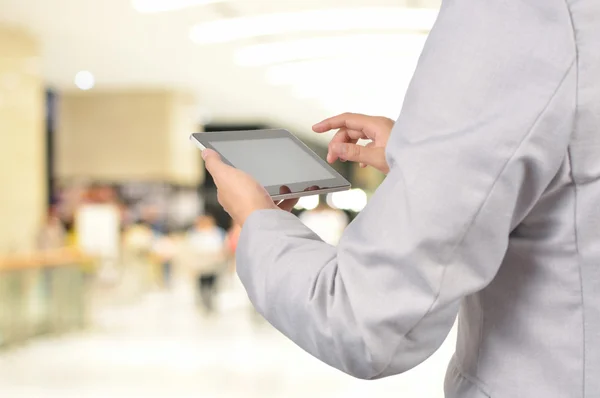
[[85, 80], [330, 20], [345, 71], [344, 89], [366, 91], [153, 6], [383, 101], [369, 46], [388, 106], [339, 85]]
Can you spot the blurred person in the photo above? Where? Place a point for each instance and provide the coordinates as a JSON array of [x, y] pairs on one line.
[[233, 235], [138, 237], [209, 256], [165, 250], [489, 211], [138, 240], [326, 222], [151, 215], [53, 234]]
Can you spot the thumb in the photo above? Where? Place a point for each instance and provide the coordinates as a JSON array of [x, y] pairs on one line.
[[213, 162]]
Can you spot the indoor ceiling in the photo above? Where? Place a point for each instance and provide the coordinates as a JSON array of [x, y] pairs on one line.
[[285, 63]]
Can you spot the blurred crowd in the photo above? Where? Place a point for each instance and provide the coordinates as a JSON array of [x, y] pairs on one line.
[[141, 240]]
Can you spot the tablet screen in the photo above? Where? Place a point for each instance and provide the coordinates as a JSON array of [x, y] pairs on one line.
[[272, 161]]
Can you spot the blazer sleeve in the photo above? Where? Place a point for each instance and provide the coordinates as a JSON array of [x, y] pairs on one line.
[[484, 128]]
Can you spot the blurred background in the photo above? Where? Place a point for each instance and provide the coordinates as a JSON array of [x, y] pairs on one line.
[[117, 265]]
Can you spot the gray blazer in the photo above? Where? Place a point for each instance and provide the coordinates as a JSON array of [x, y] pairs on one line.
[[491, 211]]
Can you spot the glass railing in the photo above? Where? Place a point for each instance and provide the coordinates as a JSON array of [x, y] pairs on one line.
[[45, 293]]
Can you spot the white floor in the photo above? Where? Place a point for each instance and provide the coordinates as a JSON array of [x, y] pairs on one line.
[[162, 347]]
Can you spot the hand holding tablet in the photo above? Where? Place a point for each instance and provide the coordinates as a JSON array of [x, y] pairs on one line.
[[277, 160]]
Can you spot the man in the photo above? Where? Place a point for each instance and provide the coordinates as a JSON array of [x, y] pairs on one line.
[[165, 252], [490, 210], [207, 243]]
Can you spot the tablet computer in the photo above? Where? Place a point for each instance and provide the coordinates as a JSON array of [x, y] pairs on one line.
[[278, 160]]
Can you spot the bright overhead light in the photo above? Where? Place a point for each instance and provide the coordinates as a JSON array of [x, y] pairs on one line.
[[384, 100], [328, 20], [308, 202], [153, 6], [338, 85], [366, 92], [383, 105], [369, 46], [341, 86], [346, 72], [85, 80]]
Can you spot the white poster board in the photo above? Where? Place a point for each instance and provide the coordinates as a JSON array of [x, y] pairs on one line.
[[98, 230]]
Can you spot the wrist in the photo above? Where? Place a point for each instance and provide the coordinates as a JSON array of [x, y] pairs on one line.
[[253, 210]]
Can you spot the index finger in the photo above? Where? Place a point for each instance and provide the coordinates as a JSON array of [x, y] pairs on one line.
[[350, 136], [350, 121]]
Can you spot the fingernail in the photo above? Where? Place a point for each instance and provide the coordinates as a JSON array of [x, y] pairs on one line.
[[204, 154]]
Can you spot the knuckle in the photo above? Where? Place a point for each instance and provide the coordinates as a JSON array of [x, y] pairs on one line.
[[354, 150]]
